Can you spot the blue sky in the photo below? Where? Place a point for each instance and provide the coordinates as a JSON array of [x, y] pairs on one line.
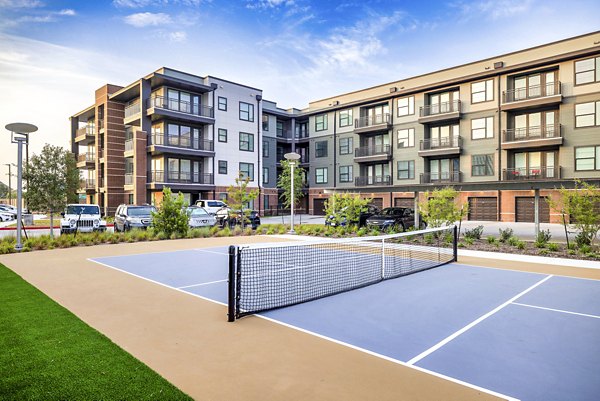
[[54, 54]]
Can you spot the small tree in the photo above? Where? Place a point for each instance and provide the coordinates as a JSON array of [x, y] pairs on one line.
[[440, 207], [238, 196], [347, 206], [285, 183], [52, 178], [170, 217]]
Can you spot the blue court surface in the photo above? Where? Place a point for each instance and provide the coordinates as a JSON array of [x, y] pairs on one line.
[[526, 336]]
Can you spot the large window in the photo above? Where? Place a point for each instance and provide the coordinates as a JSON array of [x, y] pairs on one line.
[[246, 142], [587, 71], [406, 169], [222, 135], [482, 128], [406, 138], [265, 122], [482, 165], [247, 170], [265, 177], [345, 117], [345, 173], [222, 166], [321, 175], [265, 148], [222, 103], [587, 114], [587, 158], [321, 149], [345, 146], [482, 91], [321, 122], [246, 112], [406, 106]]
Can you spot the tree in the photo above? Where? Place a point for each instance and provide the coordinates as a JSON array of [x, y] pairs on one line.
[[346, 206], [440, 207], [170, 217], [239, 196], [53, 179], [285, 183]]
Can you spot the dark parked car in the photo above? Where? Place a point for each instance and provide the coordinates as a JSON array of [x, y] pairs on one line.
[[362, 218], [398, 218], [232, 218], [133, 216]]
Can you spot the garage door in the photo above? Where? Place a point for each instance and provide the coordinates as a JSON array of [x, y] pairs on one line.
[[483, 208], [404, 202], [319, 207], [525, 207], [377, 202]]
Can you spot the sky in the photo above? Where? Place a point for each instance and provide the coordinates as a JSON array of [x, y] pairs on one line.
[[55, 53]]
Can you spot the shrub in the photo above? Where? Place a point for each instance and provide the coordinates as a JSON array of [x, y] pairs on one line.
[[237, 231], [474, 233], [513, 241], [544, 252], [428, 239], [468, 240], [584, 249], [171, 216], [361, 232], [505, 234], [226, 232], [542, 238], [521, 245], [248, 231], [553, 247], [461, 245], [582, 239], [491, 240]]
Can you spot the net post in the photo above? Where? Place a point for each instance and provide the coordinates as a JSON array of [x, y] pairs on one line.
[[455, 243], [231, 285]]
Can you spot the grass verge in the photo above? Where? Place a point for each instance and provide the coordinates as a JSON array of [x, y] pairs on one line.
[[50, 354]]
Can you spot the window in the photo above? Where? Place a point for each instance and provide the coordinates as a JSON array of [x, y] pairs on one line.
[[587, 158], [587, 71], [482, 128], [406, 138], [587, 114], [266, 201], [406, 106], [247, 170], [246, 142], [246, 112], [321, 122], [406, 170], [222, 103], [321, 149], [280, 133], [482, 165], [265, 122], [265, 148], [321, 175], [222, 135], [222, 166], [265, 176], [345, 146], [345, 118], [482, 91], [345, 173], [130, 199]]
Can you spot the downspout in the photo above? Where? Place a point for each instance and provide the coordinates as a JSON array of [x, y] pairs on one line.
[[214, 192], [499, 208], [259, 149], [391, 139], [334, 149]]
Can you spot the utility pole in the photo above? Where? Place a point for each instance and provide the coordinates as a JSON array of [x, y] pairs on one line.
[[9, 183]]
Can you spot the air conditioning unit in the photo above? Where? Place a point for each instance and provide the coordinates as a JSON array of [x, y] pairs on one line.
[[393, 89]]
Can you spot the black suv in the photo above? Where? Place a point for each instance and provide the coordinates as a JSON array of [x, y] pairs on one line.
[[133, 216], [398, 218], [362, 217]]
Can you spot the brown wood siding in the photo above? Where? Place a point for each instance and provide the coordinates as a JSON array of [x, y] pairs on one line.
[[404, 202], [525, 209]]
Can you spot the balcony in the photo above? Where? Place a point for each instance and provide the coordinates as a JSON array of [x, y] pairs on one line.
[[86, 160], [532, 137], [180, 179], [372, 153], [129, 147], [532, 97], [439, 112], [532, 173], [85, 135], [443, 177], [90, 184], [129, 179], [132, 110], [284, 134], [451, 145], [367, 180], [378, 122], [160, 106], [100, 125], [184, 145]]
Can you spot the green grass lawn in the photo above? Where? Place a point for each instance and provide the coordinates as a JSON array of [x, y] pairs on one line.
[[47, 353]]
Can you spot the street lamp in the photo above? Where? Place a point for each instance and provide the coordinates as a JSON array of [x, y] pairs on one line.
[[19, 134], [292, 158]]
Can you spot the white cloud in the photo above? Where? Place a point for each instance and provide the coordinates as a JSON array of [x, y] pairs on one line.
[[67, 11], [178, 36], [266, 4], [492, 10], [140, 20], [20, 3], [48, 17], [154, 3]]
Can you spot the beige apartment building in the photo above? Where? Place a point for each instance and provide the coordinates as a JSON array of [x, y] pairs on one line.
[[504, 131]]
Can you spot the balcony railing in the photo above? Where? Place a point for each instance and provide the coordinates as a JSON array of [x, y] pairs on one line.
[[372, 180], [132, 109], [441, 143], [129, 179], [440, 108], [283, 133], [87, 157], [128, 145], [184, 142], [100, 124], [376, 150], [301, 135], [88, 130], [531, 173], [369, 121], [162, 102], [441, 177], [90, 183], [180, 177], [532, 92], [532, 133]]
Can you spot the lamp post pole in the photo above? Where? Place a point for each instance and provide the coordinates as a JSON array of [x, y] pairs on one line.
[[292, 159]]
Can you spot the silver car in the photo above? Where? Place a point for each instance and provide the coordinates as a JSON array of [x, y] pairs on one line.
[[199, 217]]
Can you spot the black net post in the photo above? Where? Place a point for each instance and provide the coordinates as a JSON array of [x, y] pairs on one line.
[[231, 295], [455, 243]]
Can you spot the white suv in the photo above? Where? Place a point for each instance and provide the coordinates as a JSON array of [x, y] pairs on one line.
[[83, 218], [211, 206]]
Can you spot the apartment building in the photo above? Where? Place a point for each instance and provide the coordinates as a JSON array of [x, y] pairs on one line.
[[505, 131]]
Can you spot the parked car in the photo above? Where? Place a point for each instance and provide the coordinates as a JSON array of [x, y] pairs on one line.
[[199, 217], [6, 216], [8, 211], [82, 218], [398, 218], [233, 218], [133, 216], [211, 206], [343, 220]]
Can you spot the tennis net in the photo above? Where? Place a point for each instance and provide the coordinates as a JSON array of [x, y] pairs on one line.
[[269, 276]]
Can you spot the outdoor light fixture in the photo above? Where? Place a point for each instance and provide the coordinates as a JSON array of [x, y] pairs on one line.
[[19, 134], [292, 158]]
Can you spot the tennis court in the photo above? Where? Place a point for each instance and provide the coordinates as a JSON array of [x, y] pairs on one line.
[[518, 335]]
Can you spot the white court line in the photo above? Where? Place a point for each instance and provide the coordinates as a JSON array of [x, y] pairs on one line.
[[198, 285], [204, 250], [557, 310], [473, 323]]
